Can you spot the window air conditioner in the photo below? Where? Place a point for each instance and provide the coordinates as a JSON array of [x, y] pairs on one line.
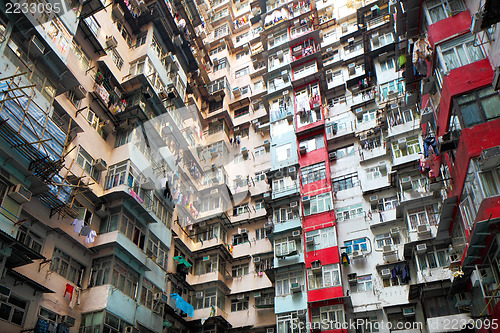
[[421, 248], [242, 231], [423, 231], [409, 312], [316, 266], [207, 258], [100, 164], [385, 273], [402, 143], [199, 295], [240, 296], [310, 240], [351, 68], [68, 320], [302, 149], [257, 294], [256, 259], [332, 156], [295, 287], [374, 199], [296, 233], [117, 12], [477, 20], [301, 313], [111, 42], [20, 194], [394, 232], [294, 204]]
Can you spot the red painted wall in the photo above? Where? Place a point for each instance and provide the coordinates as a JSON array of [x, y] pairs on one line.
[[318, 221], [326, 256], [450, 27], [324, 294]]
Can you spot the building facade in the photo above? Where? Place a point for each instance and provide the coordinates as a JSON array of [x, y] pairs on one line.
[[257, 166]]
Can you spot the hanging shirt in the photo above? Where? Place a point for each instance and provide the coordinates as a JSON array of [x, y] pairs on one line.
[[78, 225], [69, 289], [85, 230], [90, 237]]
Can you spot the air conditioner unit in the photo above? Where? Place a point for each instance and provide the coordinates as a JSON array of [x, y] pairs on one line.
[[381, 165], [351, 40], [131, 329], [344, 29], [385, 273], [256, 259], [237, 91], [402, 143], [302, 149], [490, 158], [69, 321], [257, 294], [394, 232], [100, 164], [36, 47], [214, 191], [373, 199], [310, 240], [242, 231], [421, 248], [117, 12], [423, 231], [295, 287], [268, 225], [329, 72], [332, 156], [291, 170], [387, 248], [409, 312], [160, 297], [301, 313], [462, 300], [206, 258], [240, 296], [296, 233], [111, 42], [406, 183], [101, 210], [19, 194], [316, 266], [270, 330], [199, 295], [294, 204], [375, 40], [357, 254], [477, 20], [80, 91], [351, 68], [4, 293]]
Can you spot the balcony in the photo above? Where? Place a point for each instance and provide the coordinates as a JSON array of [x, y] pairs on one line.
[[377, 22], [380, 218], [249, 215], [288, 189], [334, 80], [278, 112], [116, 238], [353, 51], [356, 71], [288, 225], [369, 185], [241, 24], [259, 188], [336, 131], [369, 154], [412, 188], [440, 324]]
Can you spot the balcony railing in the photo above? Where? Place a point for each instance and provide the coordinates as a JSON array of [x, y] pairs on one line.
[[377, 22]]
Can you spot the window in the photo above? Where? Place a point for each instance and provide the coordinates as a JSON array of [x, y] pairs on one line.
[[313, 173], [345, 152], [259, 204], [371, 143], [350, 212], [238, 210], [477, 107], [387, 203], [261, 151], [427, 215], [214, 105], [221, 31], [261, 233], [81, 56], [283, 152], [147, 293], [313, 143], [264, 264], [396, 86], [360, 244], [459, 52], [239, 304], [284, 280], [345, 182], [141, 39], [328, 277], [13, 310], [86, 161], [64, 265], [290, 323], [321, 238], [318, 204], [92, 119], [222, 63], [375, 172], [102, 321], [239, 270], [241, 112], [117, 59], [157, 251], [134, 231], [217, 85], [412, 147], [433, 259], [284, 214], [93, 25], [30, 239], [242, 37], [364, 283], [100, 271], [260, 176], [49, 316], [211, 297], [385, 39], [383, 240], [285, 247], [244, 90], [241, 72], [217, 49], [332, 315], [386, 65], [207, 264], [437, 10], [240, 239], [241, 54]]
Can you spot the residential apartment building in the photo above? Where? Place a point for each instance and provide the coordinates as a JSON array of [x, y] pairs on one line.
[[258, 166]]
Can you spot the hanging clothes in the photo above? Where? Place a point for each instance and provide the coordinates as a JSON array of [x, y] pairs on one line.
[[78, 225], [394, 276], [62, 328], [90, 237], [42, 326], [422, 50], [85, 230], [430, 142], [69, 289]]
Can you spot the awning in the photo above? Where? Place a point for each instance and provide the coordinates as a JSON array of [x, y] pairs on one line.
[[447, 209], [22, 279], [90, 7], [21, 254]]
